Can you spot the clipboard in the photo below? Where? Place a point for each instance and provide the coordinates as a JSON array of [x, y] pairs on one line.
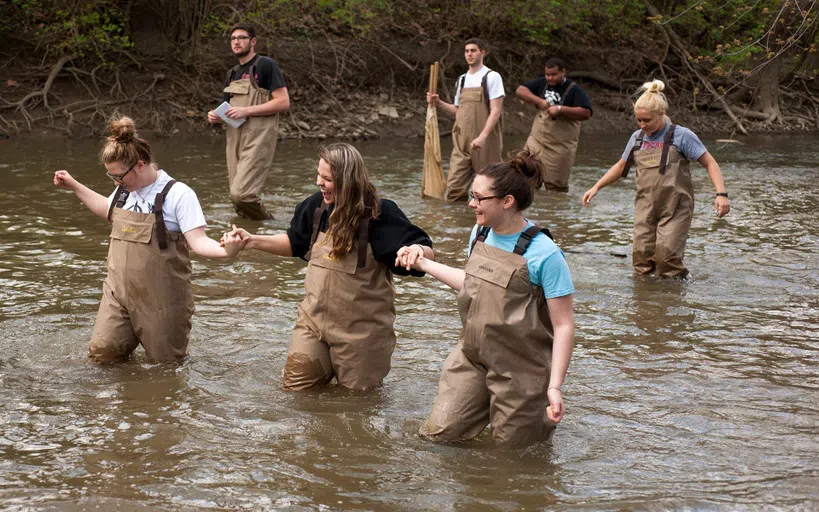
[[220, 111]]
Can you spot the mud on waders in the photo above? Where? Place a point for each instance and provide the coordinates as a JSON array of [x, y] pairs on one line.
[[344, 327]]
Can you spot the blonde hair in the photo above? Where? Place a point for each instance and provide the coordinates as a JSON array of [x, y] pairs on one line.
[[653, 99], [354, 194], [124, 144]]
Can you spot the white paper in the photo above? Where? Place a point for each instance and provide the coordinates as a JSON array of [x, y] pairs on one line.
[[220, 111]]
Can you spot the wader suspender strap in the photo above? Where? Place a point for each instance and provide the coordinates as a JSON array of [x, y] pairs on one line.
[[637, 144], [317, 217], [160, 221], [667, 139], [484, 88], [363, 237], [566, 93], [363, 231], [480, 235], [120, 196], [229, 77], [526, 237], [252, 76]]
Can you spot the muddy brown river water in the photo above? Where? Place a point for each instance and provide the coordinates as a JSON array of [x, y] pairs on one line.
[[695, 395]]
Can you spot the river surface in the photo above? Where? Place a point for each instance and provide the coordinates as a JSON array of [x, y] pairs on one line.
[[694, 395]]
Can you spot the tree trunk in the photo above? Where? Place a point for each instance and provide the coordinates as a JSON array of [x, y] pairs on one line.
[[766, 98]]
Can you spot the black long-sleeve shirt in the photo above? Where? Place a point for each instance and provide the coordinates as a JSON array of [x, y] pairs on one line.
[[388, 233]]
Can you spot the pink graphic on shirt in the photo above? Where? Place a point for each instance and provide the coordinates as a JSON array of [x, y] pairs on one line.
[[648, 144]]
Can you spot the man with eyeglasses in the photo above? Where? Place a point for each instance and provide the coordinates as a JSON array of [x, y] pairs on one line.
[[257, 93]]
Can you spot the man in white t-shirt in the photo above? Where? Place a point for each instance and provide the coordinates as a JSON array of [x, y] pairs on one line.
[[476, 136]]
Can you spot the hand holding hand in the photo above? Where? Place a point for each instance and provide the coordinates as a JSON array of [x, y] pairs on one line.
[[236, 234], [410, 256], [232, 244], [64, 180]]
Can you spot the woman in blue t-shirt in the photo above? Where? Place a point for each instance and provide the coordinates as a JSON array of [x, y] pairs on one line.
[[664, 203], [515, 301]]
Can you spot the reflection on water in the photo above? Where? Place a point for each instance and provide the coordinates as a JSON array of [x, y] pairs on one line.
[[699, 394]]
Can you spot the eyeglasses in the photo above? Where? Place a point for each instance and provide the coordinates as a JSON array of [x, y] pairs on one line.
[[118, 178], [239, 38], [478, 199]]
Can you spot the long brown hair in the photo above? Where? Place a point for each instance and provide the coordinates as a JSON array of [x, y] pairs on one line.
[[124, 144], [354, 193]]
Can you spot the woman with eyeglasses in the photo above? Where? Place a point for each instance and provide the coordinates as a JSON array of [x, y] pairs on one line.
[[664, 203], [515, 301], [147, 296]]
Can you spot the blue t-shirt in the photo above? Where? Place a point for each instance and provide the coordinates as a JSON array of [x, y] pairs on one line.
[[547, 266], [687, 143]]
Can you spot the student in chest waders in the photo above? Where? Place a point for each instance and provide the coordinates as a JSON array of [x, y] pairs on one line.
[[515, 302], [562, 106], [257, 93], [350, 238], [477, 137], [664, 203], [155, 221]]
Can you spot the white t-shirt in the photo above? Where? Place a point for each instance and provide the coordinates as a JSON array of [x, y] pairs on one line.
[[181, 209], [494, 83]]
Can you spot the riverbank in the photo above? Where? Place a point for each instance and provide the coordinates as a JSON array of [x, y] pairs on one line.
[[359, 115]]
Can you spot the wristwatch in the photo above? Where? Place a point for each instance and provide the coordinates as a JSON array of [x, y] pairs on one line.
[[723, 194]]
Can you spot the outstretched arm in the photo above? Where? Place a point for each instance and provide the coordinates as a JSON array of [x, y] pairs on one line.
[[97, 203], [610, 177], [203, 245], [419, 258], [274, 244]]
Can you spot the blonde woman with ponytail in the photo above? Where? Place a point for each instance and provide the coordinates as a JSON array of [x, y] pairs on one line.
[[515, 300], [155, 220], [664, 204], [350, 238]]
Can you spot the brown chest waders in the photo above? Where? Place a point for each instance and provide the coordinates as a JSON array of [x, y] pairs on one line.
[[147, 296], [663, 207], [470, 118], [250, 148], [554, 144], [344, 327], [499, 371]]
